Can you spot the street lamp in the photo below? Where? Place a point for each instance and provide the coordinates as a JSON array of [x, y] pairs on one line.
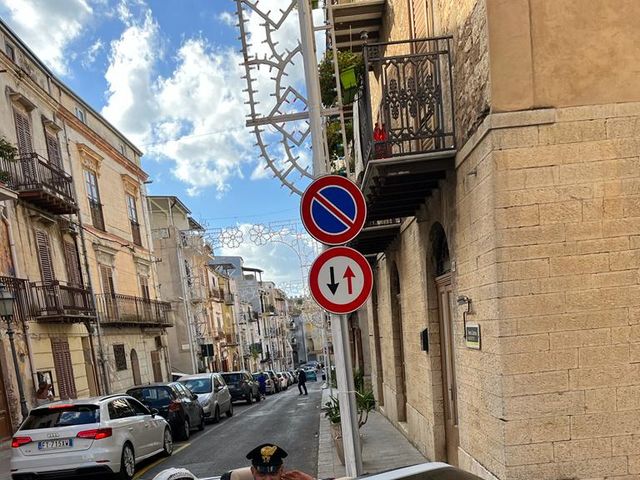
[[7, 304]]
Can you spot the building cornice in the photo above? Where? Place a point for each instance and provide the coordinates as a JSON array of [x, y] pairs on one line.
[[105, 146]]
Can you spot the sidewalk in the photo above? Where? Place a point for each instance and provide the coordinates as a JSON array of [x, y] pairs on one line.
[[383, 447], [5, 456]]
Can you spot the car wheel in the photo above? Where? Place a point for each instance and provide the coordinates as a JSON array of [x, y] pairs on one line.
[[201, 424], [167, 443], [230, 411], [127, 463], [249, 398], [186, 430], [216, 415]]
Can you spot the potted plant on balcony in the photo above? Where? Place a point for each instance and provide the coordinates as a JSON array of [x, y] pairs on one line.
[[365, 403], [8, 154]]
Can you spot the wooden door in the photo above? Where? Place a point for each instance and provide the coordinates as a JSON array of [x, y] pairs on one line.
[[447, 346], [50, 295], [64, 369], [156, 365], [135, 368], [5, 414]]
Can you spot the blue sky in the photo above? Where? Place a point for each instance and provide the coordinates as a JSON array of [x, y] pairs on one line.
[[166, 73]]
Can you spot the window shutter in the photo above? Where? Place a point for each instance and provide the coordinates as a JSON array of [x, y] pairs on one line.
[[44, 255], [64, 369], [144, 287], [74, 276], [23, 131], [53, 149], [107, 279]]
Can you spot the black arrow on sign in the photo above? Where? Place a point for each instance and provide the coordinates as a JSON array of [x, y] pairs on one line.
[[333, 286]]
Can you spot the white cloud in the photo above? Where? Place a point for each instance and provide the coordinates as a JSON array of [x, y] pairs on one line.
[[48, 26], [228, 18], [131, 103], [92, 53]]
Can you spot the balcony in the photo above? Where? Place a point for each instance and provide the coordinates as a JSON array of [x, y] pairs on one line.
[[39, 183], [229, 298], [407, 140], [60, 302], [135, 233], [123, 310], [230, 340], [353, 17], [216, 294]]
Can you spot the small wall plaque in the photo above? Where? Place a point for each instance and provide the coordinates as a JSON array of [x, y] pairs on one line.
[[473, 336]]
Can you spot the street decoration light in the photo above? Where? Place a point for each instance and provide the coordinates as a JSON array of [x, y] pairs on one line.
[[7, 306]]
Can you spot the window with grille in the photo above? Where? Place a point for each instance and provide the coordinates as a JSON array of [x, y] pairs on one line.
[[93, 194], [120, 356]]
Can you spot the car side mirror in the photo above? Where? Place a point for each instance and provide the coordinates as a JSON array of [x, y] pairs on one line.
[[154, 412]]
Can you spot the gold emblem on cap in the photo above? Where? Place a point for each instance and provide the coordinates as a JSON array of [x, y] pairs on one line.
[[267, 453]]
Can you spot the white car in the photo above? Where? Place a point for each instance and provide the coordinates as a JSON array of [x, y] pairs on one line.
[[78, 438], [213, 394]]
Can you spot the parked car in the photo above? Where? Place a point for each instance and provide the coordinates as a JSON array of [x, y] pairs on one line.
[[270, 386], [85, 437], [311, 374], [213, 394], [175, 402], [283, 381], [276, 381], [242, 386]]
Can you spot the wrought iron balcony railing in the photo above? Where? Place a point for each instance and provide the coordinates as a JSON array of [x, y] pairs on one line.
[[416, 112], [60, 301], [40, 183], [117, 309]]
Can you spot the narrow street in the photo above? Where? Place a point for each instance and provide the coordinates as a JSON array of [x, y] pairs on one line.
[[287, 419]]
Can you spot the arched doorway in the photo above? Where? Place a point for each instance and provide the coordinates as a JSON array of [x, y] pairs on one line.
[[441, 270], [135, 368], [398, 344]]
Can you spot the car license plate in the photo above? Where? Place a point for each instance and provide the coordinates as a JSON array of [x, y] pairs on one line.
[[55, 444]]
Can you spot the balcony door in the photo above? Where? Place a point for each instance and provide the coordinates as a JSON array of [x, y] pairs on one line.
[[25, 148], [48, 299], [106, 276]]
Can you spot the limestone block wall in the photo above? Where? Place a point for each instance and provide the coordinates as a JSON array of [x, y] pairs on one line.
[[567, 212]]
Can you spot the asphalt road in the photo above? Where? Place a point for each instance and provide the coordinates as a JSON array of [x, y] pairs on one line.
[[287, 419]]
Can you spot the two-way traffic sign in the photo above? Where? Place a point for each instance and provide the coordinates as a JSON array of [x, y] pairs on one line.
[[340, 280], [333, 210]]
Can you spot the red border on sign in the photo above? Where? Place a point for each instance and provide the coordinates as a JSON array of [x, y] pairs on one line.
[[314, 274], [307, 218]]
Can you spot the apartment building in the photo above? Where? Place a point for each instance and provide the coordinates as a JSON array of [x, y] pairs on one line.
[[75, 243], [502, 192]]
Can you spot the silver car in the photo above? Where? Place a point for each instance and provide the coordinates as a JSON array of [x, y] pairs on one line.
[[79, 438], [213, 394]]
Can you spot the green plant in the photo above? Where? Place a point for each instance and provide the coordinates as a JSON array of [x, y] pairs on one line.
[[7, 151], [346, 61], [365, 401]]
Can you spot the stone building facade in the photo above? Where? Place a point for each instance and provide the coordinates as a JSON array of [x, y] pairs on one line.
[[75, 246], [528, 234]]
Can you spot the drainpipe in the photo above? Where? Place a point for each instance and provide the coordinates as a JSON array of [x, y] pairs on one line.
[[16, 270], [101, 356]]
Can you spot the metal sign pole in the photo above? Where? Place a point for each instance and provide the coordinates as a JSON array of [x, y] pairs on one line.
[[344, 372]]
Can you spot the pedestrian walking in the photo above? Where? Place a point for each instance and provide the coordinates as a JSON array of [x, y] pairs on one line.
[[302, 381], [262, 385]]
